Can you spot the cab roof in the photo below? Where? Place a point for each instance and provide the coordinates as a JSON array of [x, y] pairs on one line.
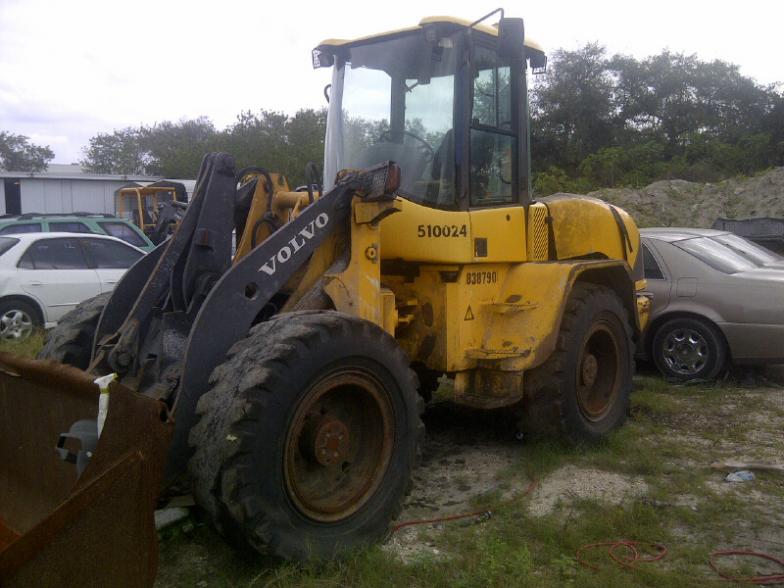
[[430, 20]]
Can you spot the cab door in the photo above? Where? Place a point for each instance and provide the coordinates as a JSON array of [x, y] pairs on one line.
[[497, 214]]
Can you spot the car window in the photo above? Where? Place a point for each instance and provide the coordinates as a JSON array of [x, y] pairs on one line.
[[6, 243], [124, 232], [716, 255], [54, 254], [68, 227], [652, 269], [21, 228], [746, 248], [109, 254]]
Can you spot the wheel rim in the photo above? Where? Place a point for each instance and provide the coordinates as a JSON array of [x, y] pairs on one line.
[[685, 351], [598, 372], [339, 445], [15, 325]]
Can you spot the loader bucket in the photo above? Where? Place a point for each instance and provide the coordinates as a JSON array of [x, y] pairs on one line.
[[58, 528]]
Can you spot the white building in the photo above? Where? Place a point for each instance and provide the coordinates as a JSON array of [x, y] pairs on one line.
[[65, 189]]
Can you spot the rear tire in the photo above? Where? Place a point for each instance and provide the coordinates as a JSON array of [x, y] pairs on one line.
[[689, 349], [582, 391], [306, 442], [71, 341]]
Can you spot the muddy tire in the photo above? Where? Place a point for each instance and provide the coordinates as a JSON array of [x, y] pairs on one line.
[[582, 391], [306, 441], [71, 341]]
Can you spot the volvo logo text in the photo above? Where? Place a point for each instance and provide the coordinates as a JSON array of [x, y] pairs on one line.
[[295, 244]]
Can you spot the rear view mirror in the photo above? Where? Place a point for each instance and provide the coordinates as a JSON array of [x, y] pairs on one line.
[[511, 39]]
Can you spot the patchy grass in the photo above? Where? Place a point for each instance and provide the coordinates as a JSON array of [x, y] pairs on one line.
[[27, 348], [674, 433]]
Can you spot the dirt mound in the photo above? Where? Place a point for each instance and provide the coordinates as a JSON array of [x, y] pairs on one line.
[[680, 203]]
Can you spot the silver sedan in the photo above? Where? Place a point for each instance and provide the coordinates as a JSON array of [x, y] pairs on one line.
[[718, 298]]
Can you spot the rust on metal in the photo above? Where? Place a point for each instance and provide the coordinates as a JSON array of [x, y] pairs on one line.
[[599, 372], [339, 445], [55, 528]]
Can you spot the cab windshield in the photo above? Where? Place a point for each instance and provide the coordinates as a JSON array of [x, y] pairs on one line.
[[393, 100]]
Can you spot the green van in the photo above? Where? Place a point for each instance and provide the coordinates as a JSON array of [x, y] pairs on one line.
[[76, 222]]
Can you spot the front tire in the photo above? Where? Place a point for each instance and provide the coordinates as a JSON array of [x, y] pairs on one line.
[[582, 391], [71, 341], [307, 440], [689, 349]]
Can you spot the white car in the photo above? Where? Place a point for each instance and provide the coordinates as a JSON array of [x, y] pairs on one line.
[[44, 275]]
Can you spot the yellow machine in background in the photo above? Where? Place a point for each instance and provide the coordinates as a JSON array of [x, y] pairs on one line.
[[155, 209], [292, 376]]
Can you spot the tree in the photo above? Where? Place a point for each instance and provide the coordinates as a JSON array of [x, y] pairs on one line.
[[118, 152], [176, 149], [167, 149], [572, 107], [17, 153]]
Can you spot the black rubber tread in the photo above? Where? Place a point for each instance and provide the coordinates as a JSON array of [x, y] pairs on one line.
[[550, 407], [249, 394], [71, 341], [713, 336]]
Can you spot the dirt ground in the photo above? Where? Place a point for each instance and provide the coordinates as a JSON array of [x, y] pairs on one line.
[[652, 480]]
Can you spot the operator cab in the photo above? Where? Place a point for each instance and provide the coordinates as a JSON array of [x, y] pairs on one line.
[[446, 100]]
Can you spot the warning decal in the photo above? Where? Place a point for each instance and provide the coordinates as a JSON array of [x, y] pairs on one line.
[[469, 315]]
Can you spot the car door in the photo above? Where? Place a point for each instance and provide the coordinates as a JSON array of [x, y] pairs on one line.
[[56, 272], [658, 283], [110, 259]]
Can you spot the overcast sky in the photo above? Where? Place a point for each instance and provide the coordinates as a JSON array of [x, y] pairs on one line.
[[69, 69]]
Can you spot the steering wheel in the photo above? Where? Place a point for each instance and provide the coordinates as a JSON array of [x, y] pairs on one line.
[[428, 149]]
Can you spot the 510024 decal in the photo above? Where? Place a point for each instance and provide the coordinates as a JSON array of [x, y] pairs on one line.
[[442, 231]]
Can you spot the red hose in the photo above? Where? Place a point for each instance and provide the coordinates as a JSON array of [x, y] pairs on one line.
[[487, 513], [762, 580], [630, 561]]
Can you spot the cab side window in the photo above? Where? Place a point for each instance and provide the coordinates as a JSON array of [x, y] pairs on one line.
[[492, 139]]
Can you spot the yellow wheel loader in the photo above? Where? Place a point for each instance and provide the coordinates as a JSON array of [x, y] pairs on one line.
[[286, 382], [155, 209]]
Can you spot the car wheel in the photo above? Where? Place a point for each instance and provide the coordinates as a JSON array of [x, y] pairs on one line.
[[689, 349], [17, 320]]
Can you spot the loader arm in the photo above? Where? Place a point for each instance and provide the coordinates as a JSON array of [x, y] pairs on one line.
[[193, 305]]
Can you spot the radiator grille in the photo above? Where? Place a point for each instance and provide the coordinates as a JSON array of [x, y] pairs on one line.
[[537, 233]]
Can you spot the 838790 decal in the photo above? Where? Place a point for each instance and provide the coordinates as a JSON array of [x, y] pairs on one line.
[[473, 278], [442, 231]]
